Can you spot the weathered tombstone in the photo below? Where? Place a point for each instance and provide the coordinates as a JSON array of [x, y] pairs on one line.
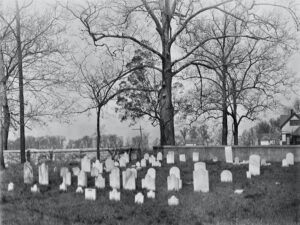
[[254, 165], [116, 163], [28, 173], [173, 201], [79, 190], [201, 180], [138, 165], [128, 178], [63, 171], [126, 157], [176, 171], [99, 182], [228, 154], [182, 158], [94, 172], [139, 198], [134, 171], [248, 174], [226, 176], [285, 163], [90, 194], [35, 189], [109, 164], [122, 162], [67, 179], [159, 156], [146, 156], [76, 171], [195, 156], [82, 179], [143, 163], [97, 164], [215, 159], [63, 187], [199, 165], [114, 195], [236, 160], [151, 172], [170, 157], [152, 159], [263, 162], [150, 194], [43, 174], [86, 164], [114, 178], [290, 158], [10, 186], [148, 182], [173, 183]]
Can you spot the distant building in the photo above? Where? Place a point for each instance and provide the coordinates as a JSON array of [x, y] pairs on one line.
[[269, 139], [290, 129]]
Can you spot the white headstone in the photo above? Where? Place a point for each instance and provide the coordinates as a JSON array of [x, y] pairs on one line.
[[63, 187], [150, 194], [236, 160], [63, 171], [82, 179], [86, 164], [201, 180], [99, 182], [34, 189], [122, 162], [248, 174], [148, 182], [176, 171], [182, 158], [28, 173], [114, 178], [128, 178], [290, 158], [199, 165], [109, 164], [285, 163], [114, 195], [215, 159], [254, 165], [226, 176], [139, 198], [79, 190], [195, 156], [263, 162], [143, 163], [97, 164], [173, 201], [10, 186], [138, 165], [238, 191], [90, 194], [228, 154], [159, 156], [43, 174], [170, 157], [146, 156], [76, 171], [173, 183], [67, 179], [152, 172], [94, 172]]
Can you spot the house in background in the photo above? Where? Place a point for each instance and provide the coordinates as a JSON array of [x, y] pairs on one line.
[[269, 139], [290, 129]]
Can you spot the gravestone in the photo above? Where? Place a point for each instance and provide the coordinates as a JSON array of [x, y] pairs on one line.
[[170, 157], [195, 156], [248, 174], [201, 180], [151, 172], [63, 187], [63, 171], [152, 159], [114, 195], [67, 179], [82, 179], [139, 198], [215, 159], [122, 162], [263, 162], [100, 182], [35, 189], [94, 172], [143, 163], [285, 163], [79, 190], [128, 178], [173, 201], [182, 158], [236, 160], [28, 173], [10, 186], [151, 194], [199, 165], [173, 183], [76, 171], [138, 165], [43, 174], [114, 178], [134, 171], [290, 158], [116, 164], [90, 194], [159, 156], [86, 164], [254, 165], [228, 154], [126, 157], [97, 164], [226, 176], [176, 171], [146, 156], [109, 164], [148, 182]]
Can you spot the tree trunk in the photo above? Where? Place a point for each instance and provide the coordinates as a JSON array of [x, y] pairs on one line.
[[21, 86], [234, 116], [98, 132], [235, 133], [2, 88], [224, 107], [6, 115]]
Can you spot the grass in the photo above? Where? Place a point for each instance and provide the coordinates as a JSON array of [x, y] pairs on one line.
[[262, 202]]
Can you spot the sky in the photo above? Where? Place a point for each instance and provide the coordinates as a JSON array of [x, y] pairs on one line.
[[86, 124]]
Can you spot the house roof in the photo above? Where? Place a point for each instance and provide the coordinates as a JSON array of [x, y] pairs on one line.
[[297, 131], [285, 118]]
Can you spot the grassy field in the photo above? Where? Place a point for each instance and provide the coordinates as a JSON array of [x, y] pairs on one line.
[[271, 198]]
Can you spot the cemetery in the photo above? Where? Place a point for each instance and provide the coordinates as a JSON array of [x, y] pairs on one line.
[[89, 191]]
